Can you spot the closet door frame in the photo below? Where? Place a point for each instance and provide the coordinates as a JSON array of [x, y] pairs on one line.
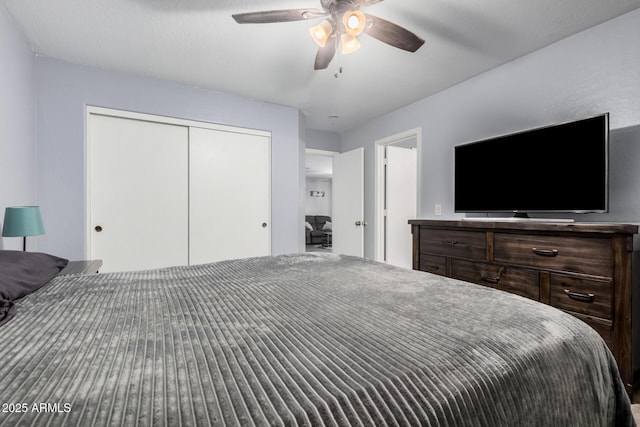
[[94, 110]]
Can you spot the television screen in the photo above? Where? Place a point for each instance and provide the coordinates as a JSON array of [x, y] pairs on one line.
[[558, 168]]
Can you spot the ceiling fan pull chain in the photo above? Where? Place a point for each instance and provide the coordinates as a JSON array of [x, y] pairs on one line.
[[338, 71]]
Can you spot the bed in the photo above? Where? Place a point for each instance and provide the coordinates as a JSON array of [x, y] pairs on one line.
[[305, 339]]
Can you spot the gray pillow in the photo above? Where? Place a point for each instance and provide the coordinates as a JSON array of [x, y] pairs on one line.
[[22, 273]]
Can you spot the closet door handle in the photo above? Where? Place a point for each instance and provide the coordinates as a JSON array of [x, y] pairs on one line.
[[264, 225], [98, 228]]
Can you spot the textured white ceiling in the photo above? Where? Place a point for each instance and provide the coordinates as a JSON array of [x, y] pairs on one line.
[[196, 42]]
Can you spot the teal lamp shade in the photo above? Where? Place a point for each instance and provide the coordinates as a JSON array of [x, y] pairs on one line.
[[22, 221]]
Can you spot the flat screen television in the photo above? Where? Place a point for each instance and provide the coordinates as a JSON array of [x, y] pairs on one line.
[[558, 168]]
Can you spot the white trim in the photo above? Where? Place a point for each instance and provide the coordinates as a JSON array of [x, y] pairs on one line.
[[101, 111], [172, 120], [87, 184], [379, 147], [316, 152]]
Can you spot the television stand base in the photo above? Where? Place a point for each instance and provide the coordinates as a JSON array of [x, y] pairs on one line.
[[519, 219]]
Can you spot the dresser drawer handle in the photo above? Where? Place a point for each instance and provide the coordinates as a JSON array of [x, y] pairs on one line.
[[496, 278], [545, 252], [432, 268], [450, 242], [580, 296]]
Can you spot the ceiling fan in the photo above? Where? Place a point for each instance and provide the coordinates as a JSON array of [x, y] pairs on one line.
[[343, 24]]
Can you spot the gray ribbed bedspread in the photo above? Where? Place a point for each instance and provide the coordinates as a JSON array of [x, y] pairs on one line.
[[310, 339]]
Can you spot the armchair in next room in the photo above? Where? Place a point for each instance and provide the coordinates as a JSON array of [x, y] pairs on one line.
[[316, 227]]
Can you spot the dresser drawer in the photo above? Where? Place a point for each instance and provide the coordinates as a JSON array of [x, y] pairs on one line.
[[603, 327], [519, 281], [456, 243], [575, 254], [433, 264], [590, 297]]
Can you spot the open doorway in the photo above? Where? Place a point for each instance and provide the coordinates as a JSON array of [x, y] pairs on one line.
[[318, 200], [397, 196]]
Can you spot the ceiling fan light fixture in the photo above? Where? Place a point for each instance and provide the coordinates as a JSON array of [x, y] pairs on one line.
[[321, 33], [341, 18], [354, 22], [349, 43]]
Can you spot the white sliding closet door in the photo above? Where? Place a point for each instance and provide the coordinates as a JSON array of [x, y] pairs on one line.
[[138, 191], [229, 195]]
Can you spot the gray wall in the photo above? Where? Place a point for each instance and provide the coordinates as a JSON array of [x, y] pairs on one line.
[[64, 90], [323, 140], [318, 205], [17, 133], [592, 72]]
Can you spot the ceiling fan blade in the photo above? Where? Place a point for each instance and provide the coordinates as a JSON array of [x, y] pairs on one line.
[[392, 34], [325, 54], [365, 3], [269, 16]]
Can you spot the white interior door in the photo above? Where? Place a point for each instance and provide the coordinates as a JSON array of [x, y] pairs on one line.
[[348, 203], [229, 195], [400, 190], [138, 207]]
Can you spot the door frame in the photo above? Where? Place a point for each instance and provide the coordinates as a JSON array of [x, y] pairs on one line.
[[379, 183], [317, 152], [124, 114]]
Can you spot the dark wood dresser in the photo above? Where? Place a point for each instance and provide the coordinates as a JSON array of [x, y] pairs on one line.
[[581, 268]]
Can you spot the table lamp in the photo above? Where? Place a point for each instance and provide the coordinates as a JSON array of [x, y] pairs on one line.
[[22, 221]]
